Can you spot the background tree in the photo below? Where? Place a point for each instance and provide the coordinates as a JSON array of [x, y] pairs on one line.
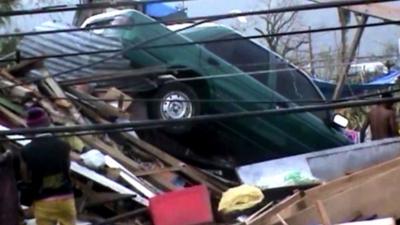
[[326, 68], [282, 22], [7, 45]]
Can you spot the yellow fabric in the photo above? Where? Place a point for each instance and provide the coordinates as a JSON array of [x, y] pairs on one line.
[[75, 143], [53, 211], [240, 198]]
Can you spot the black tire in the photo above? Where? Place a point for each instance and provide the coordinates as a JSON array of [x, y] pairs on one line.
[[181, 91]]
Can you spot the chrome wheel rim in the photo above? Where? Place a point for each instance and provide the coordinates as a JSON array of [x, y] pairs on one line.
[[176, 105]]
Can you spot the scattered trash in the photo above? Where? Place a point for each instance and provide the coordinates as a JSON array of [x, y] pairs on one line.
[[93, 159], [240, 198]]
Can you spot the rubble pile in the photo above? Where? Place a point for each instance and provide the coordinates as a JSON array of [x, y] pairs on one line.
[[121, 179], [118, 173]]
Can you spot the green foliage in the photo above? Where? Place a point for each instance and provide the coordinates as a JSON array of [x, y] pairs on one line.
[[5, 5], [6, 44]]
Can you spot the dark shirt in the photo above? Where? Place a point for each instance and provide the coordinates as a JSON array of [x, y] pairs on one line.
[[48, 161], [8, 191]]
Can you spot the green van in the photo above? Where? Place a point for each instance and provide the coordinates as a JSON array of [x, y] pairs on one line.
[[229, 77]]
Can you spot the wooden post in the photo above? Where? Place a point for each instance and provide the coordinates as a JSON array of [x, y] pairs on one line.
[[352, 50], [310, 49], [323, 214]]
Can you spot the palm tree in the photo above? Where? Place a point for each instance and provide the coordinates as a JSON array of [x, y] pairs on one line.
[[7, 45], [5, 5]]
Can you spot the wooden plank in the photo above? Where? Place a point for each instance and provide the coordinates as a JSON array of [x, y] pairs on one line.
[[91, 140], [97, 199], [157, 153], [4, 73], [323, 214], [98, 178], [385, 11], [266, 216], [104, 109], [18, 92], [129, 177], [12, 106], [23, 67], [127, 215], [355, 178], [56, 92], [377, 196], [117, 75], [384, 221], [349, 57], [161, 182], [156, 171], [341, 184], [16, 120], [257, 214], [189, 171], [114, 153], [282, 220]]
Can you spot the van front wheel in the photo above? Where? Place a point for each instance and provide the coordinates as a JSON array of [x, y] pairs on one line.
[[175, 101]]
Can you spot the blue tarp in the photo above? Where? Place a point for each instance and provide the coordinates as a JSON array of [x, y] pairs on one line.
[[380, 82], [160, 9], [388, 78]]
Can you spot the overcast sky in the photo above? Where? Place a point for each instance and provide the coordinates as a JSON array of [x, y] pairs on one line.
[[372, 42]]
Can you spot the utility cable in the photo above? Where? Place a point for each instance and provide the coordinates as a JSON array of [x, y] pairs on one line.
[[203, 42], [88, 6], [138, 125], [64, 8], [319, 30], [141, 44], [179, 21]]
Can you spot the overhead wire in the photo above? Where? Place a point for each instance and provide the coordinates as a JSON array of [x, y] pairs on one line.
[[265, 112], [218, 76], [198, 42], [186, 20], [87, 6], [353, 2], [304, 7], [353, 97], [202, 42], [118, 130], [74, 134], [138, 125]]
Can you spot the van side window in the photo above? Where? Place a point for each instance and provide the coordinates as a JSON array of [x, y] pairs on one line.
[[242, 53], [291, 83], [270, 70], [267, 68]]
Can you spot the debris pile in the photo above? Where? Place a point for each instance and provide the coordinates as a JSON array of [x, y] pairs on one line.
[[121, 179], [117, 173]]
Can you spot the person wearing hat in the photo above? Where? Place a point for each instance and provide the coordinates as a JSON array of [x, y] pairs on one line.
[[47, 161]]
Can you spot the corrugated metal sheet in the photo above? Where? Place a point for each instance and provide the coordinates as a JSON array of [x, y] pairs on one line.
[[69, 43]]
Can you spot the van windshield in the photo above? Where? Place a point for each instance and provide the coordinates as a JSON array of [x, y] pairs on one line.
[[267, 68]]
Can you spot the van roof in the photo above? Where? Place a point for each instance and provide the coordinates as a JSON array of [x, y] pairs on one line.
[[203, 25], [106, 15]]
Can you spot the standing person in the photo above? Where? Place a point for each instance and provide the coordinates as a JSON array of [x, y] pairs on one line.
[[382, 121], [9, 206], [47, 162]]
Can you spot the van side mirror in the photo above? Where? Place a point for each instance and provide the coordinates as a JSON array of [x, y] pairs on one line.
[[340, 120]]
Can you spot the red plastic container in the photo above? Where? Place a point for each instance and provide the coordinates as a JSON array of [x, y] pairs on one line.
[[188, 206]]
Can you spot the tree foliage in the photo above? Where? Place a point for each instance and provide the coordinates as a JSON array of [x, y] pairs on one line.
[[6, 44], [280, 23]]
